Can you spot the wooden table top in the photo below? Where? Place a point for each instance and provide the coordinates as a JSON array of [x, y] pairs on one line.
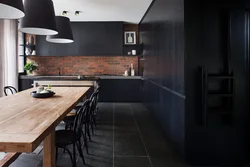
[[26, 121]]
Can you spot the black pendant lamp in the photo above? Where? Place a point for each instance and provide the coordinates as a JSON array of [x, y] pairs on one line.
[[64, 31], [39, 18], [11, 9]]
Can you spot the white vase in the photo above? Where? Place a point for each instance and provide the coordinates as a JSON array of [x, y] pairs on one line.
[[34, 52]]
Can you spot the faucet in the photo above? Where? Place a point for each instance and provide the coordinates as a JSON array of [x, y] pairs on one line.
[[59, 71]]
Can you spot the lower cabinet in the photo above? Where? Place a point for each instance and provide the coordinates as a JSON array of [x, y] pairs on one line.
[[120, 90], [25, 84], [112, 90]]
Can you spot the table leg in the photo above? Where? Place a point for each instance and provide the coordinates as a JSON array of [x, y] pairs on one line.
[[49, 151]]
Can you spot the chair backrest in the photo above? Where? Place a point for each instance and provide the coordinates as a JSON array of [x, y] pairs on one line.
[[98, 90], [80, 117], [10, 89], [94, 100]]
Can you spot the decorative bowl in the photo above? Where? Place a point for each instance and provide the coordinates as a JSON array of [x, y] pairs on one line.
[[42, 95]]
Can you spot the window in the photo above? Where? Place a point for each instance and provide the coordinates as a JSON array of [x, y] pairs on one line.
[[21, 55]]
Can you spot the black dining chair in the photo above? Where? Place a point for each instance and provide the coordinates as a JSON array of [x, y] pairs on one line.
[[90, 119], [93, 109], [10, 89], [69, 123], [97, 101], [67, 137]]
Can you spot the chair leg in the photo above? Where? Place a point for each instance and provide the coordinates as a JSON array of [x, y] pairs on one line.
[[79, 146], [56, 153], [71, 158], [97, 108], [87, 131], [85, 142], [92, 127], [92, 123], [95, 121], [74, 154], [64, 150]]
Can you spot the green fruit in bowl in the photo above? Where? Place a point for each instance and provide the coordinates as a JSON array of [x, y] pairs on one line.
[[49, 86]]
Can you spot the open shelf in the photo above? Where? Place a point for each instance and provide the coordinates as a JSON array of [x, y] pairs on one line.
[[131, 44], [130, 47]]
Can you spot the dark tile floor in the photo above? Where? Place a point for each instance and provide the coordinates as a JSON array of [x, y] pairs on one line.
[[126, 136]]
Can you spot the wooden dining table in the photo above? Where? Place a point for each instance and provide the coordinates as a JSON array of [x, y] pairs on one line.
[[26, 122]]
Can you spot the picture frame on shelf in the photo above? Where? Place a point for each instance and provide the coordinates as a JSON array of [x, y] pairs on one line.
[[129, 37]]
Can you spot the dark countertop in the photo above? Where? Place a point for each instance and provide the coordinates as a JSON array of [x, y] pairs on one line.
[[39, 77], [87, 78]]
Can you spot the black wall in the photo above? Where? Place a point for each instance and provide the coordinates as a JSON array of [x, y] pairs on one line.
[[90, 39], [162, 32]]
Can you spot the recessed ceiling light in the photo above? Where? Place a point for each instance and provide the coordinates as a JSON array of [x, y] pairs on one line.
[[64, 13], [77, 13]]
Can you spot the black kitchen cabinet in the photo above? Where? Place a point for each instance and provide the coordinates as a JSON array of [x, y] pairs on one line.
[[90, 39], [25, 84], [120, 90]]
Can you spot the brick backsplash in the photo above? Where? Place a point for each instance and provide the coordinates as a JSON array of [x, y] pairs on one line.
[[83, 65]]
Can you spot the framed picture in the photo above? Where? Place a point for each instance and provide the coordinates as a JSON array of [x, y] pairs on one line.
[[129, 37]]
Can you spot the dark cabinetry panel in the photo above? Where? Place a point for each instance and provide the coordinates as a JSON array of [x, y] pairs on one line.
[[90, 39], [25, 84], [162, 35], [168, 109], [206, 45], [120, 90]]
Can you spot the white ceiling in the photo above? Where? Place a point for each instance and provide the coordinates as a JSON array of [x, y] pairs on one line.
[[130, 11]]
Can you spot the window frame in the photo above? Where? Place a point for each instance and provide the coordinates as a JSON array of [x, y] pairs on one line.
[[22, 55]]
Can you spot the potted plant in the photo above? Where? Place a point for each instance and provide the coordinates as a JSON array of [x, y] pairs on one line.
[[30, 67]]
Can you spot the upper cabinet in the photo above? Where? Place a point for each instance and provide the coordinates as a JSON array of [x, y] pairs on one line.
[[90, 39]]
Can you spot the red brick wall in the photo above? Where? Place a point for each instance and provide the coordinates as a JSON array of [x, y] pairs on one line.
[[84, 65]]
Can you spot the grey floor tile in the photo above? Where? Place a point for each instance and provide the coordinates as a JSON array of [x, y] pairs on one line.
[[104, 129], [93, 161], [132, 162], [141, 113], [2, 155], [121, 129], [102, 147], [61, 162], [129, 145], [105, 112], [160, 150], [152, 133], [123, 113], [26, 160], [164, 161]]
